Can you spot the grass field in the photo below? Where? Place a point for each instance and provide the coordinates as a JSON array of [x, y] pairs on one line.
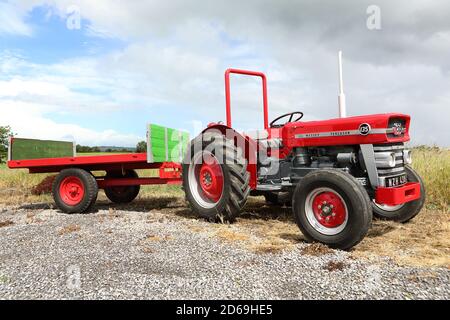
[[423, 241]]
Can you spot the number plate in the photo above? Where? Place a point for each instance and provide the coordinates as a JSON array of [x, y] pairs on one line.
[[396, 181]]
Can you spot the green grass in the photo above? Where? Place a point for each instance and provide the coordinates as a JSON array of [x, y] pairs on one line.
[[433, 165]]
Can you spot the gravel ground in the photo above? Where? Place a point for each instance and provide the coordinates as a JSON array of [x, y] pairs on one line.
[[155, 254]]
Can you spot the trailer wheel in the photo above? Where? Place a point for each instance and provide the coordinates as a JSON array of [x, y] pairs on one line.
[[403, 212], [124, 194], [215, 178], [331, 207], [75, 190]]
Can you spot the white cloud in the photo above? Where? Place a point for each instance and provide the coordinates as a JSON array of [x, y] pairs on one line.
[[12, 20], [178, 51], [29, 121]]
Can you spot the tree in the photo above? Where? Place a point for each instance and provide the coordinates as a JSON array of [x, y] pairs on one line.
[[141, 147], [5, 133]]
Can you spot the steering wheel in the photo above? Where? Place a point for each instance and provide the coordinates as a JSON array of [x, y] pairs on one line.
[[291, 115]]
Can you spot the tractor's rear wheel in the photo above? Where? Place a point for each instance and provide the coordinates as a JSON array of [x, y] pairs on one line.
[[215, 178], [75, 190], [406, 211], [332, 207], [122, 194]]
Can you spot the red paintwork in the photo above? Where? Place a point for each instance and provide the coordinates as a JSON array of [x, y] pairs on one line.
[[337, 214], [395, 196], [123, 182], [71, 191], [57, 164], [169, 172], [211, 179], [245, 143], [228, 93], [376, 121]]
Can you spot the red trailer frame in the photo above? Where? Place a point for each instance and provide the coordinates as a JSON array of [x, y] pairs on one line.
[[169, 172]]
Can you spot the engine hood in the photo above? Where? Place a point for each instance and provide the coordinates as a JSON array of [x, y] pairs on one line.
[[368, 129]]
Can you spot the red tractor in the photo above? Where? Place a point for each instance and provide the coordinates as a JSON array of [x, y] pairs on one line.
[[335, 173]]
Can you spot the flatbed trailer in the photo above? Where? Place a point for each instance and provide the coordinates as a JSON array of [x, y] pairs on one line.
[[169, 172], [79, 178]]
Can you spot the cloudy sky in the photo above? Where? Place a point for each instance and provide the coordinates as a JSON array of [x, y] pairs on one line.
[[99, 79]]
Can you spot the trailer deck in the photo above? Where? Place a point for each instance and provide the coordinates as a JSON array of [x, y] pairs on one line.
[[169, 172]]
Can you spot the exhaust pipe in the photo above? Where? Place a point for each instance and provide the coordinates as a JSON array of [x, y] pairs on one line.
[[341, 96]]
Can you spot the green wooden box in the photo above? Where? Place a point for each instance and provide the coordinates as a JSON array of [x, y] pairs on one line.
[[166, 144], [22, 149]]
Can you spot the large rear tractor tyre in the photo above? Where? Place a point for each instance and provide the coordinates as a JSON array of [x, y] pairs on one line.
[[332, 207], [215, 178], [75, 191], [124, 194], [403, 212]]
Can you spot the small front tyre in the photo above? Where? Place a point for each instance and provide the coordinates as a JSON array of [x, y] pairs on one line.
[[406, 211], [75, 190], [332, 207]]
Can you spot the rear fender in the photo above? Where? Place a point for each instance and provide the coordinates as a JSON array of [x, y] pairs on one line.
[[246, 144]]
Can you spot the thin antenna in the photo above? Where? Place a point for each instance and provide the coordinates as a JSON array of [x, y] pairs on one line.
[[341, 97]]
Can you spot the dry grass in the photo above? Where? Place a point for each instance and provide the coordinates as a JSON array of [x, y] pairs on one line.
[[69, 229], [44, 187], [433, 165], [226, 234], [335, 266], [425, 240], [261, 233], [6, 223], [316, 249]]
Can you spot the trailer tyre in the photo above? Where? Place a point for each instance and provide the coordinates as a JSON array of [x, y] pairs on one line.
[[406, 211], [124, 194], [215, 178], [75, 190], [331, 207]]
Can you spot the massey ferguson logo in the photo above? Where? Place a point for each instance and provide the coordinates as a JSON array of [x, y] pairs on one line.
[[364, 129], [397, 129]]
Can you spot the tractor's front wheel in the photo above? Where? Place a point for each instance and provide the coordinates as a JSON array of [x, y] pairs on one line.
[[406, 211], [332, 207], [215, 178]]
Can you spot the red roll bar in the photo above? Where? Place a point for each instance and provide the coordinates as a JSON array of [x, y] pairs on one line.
[[228, 95]]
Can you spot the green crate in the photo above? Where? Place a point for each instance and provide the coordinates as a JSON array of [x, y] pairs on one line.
[[23, 149], [166, 144]]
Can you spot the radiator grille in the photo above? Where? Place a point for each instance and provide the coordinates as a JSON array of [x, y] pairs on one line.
[[399, 169]]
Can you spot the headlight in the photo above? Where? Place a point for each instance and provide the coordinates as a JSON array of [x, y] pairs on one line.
[[385, 159], [392, 160], [407, 159]]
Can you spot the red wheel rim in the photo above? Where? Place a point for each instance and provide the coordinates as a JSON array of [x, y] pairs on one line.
[[211, 178], [71, 191], [329, 209]]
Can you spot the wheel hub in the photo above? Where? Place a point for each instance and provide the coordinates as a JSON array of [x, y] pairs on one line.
[[71, 190], [211, 178], [329, 209]]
